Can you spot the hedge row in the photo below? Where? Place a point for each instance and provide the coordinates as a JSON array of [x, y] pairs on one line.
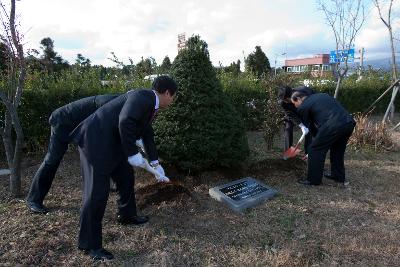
[[248, 95], [45, 93], [358, 96]]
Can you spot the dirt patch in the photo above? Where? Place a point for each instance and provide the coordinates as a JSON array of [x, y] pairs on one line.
[[302, 226], [154, 194]]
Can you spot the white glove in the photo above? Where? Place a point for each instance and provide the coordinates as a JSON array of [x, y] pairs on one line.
[[161, 173], [160, 170], [303, 128], [162, 179], [139, 143], [137, 160]]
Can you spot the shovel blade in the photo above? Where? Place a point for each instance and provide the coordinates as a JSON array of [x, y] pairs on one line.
[[291, 152]]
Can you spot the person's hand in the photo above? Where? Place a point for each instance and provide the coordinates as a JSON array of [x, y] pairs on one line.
[[160, 170], [304, 129], [137, 161], [162, 178], [139, 143]]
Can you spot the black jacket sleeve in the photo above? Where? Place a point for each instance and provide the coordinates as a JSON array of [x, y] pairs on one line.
[[291, 112], [149, 144], [133, 119], [304, 114]]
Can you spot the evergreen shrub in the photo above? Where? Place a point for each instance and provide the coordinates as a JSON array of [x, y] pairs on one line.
[[202, 129]]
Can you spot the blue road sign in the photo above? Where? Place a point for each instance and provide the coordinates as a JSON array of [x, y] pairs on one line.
[[341, 55]]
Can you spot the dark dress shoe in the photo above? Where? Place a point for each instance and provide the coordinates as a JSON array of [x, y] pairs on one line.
[[333, 178], [37, 207], [98, 254], [329, 176], [305, 182], [132, 220]]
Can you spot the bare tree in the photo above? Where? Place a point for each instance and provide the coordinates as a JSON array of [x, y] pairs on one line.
[[10, 95], [385, 6], [345, 17]]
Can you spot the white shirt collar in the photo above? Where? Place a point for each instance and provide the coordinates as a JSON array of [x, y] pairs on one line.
[[157, 101]]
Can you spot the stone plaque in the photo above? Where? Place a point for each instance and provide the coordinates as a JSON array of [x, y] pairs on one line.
[[242, 194], [5, 172]]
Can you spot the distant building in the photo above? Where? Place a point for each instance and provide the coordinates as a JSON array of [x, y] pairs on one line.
[[181, 41], [151, 77], [318, 65]]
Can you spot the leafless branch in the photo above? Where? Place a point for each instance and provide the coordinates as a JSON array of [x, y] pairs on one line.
[[345, 18]]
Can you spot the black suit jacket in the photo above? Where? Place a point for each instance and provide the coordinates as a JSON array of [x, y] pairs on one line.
[[110, 133], [325, 112], [64, 119]]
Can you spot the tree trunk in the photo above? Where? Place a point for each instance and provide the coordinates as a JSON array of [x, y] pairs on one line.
[[13, 152], [15, 181], [11, 100], [270, 141], [394, 69], [339, 81], [390, 109], [7, 138], [15, 178]]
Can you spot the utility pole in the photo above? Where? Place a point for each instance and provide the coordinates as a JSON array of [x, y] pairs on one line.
[[276, 57], [361, 67], [181, 41], [244, 61]]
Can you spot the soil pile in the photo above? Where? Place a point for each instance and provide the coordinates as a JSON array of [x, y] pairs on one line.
[[156, 193]]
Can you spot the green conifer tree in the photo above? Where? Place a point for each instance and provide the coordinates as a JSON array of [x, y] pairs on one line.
[[202, 129]]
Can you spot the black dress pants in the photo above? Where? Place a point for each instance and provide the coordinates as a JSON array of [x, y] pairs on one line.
[[335, 141], [288, 134], [44, 176], [96, 187]]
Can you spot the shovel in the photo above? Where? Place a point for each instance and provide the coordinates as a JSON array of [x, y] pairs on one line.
[[293, 151]]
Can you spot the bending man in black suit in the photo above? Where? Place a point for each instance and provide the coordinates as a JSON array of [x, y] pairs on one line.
[[107, 148], [63, 121], [335, 126], [292, 117]]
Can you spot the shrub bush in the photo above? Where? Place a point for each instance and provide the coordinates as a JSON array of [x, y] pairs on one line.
[[44, 93], [201, 130], [273, 112], [247, 94], [357, 96]]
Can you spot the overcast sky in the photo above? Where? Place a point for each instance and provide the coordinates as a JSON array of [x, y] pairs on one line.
[[232, 29]]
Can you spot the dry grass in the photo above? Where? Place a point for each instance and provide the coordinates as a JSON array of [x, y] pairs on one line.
[[368, 133], [318, 226]]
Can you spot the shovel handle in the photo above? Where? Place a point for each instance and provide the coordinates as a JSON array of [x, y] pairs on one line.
[[300, 140]]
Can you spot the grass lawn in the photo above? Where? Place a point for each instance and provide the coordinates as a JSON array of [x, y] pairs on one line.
[[303, 226]]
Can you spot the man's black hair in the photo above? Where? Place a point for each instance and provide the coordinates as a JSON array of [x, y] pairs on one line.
[[298, 95], [163, 83], [284, 92]]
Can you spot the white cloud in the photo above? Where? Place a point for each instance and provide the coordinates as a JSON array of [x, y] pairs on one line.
[[133, 29]]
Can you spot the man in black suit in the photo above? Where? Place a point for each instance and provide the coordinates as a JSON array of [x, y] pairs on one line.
[[292, 117], [335, 126], [107, 147], [63, 120]]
